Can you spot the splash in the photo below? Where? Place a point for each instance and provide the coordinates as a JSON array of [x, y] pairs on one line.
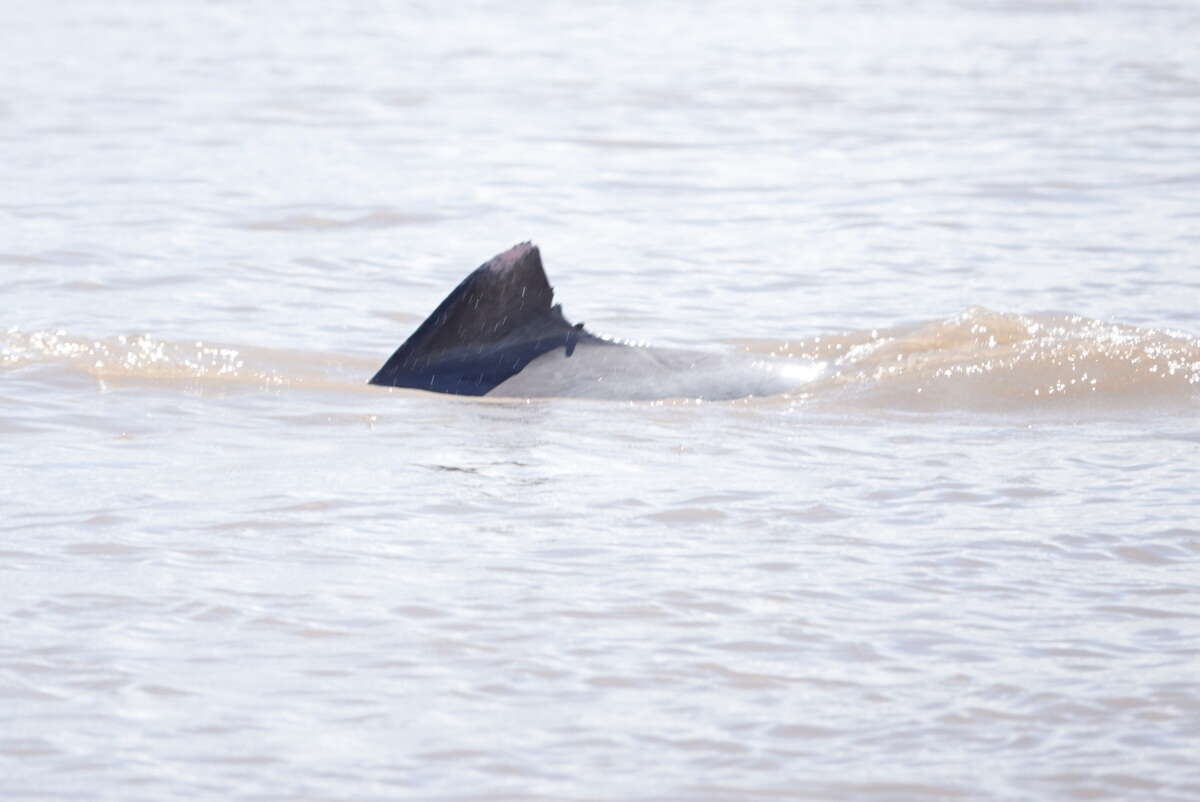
[[989, 361], [142, 358]]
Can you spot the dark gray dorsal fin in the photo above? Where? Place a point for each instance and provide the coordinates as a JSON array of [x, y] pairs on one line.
[[491, 326]]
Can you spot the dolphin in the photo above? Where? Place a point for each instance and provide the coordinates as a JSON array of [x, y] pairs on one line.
[[499, 332]]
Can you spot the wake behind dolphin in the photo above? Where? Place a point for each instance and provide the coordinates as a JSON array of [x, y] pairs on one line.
[[499, 332]]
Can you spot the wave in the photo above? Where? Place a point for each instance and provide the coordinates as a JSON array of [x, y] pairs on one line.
[[193, 365], [991, 361], [978, 360]]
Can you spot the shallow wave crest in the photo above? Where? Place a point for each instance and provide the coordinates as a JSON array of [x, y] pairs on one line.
[[992, 361]]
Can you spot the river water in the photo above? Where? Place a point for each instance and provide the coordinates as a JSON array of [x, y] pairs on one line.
[[960, 564]]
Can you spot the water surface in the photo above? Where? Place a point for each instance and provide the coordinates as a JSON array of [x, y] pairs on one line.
[[961, 564]]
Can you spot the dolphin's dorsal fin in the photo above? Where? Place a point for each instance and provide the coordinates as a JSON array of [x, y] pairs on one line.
[[492, 325]]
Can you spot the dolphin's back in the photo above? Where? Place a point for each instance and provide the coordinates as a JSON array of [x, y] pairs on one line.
[[500, 318]]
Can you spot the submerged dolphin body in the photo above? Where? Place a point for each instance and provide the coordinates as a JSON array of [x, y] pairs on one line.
[[499, 332]]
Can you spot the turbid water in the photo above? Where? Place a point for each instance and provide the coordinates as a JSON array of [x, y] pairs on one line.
[[958, 559]]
